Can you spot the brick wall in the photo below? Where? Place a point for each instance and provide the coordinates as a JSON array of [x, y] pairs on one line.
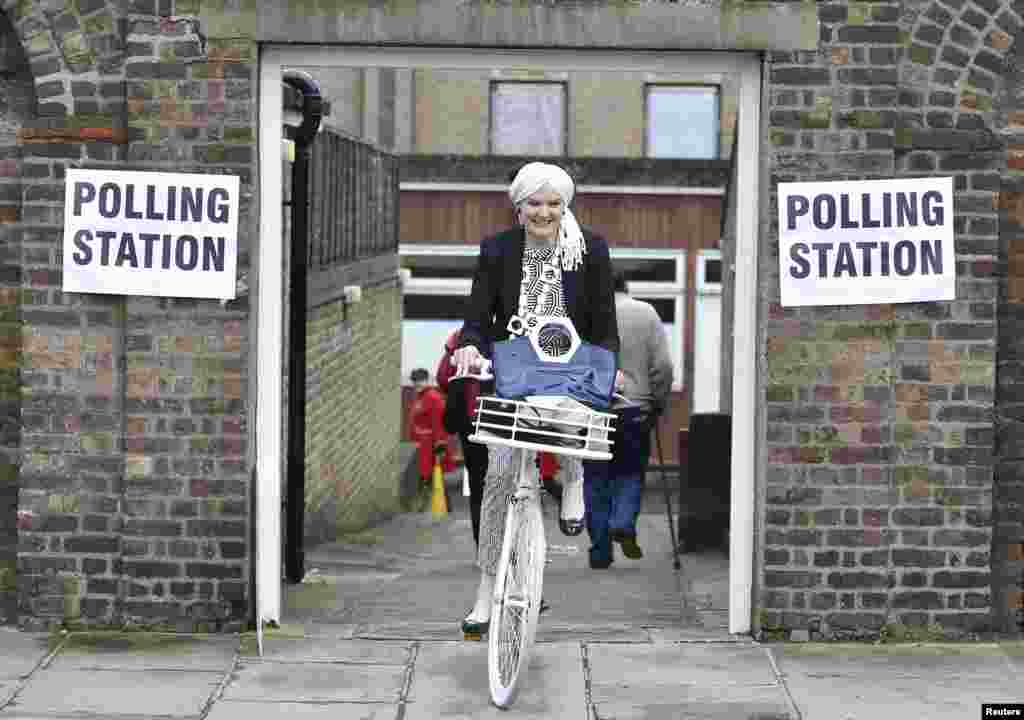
[[353, 406], [135, 413], [17, 98], [879, 442], [878, 506], [1008, 498]]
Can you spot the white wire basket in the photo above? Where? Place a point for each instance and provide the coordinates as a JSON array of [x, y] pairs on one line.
[[558, 425]]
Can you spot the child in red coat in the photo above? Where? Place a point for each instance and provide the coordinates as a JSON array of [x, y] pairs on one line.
[[426, 428]]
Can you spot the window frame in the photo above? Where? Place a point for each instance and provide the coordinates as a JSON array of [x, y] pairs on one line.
[[492, 87], [702, 285], [654, 85]]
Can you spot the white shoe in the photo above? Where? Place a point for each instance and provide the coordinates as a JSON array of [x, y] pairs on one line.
[[570, 520]]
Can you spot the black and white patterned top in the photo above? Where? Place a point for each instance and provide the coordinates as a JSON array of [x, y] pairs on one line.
[[540, 292]]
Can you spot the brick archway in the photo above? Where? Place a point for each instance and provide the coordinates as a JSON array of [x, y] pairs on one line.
[[959, 71], [132, 480], [65, 84], [77, 55], [955, 64], [902, 90], [18, 92]]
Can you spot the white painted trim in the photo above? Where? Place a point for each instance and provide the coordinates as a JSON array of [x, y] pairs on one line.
[[703, 286], [437, 286], [416, 186], [696, 64], [453, 249], [270, 332], [269, 258], [744, 373]]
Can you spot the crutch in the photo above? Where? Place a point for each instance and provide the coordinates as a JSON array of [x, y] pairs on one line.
[[668, 495]]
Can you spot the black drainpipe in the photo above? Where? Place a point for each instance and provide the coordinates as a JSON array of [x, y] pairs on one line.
[[303, 136]]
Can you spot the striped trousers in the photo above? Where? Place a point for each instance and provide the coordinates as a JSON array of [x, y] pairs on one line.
[[499, 483]]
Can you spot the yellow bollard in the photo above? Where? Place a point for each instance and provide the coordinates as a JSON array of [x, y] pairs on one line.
[[438, 504]]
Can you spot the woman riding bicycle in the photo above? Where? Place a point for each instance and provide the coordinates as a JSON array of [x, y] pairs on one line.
[[547, 266]]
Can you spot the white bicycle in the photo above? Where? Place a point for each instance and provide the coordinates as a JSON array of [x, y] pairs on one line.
[[554, 424]]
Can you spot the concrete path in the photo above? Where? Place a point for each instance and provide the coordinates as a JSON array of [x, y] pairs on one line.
[[120, 676], [373, 635]]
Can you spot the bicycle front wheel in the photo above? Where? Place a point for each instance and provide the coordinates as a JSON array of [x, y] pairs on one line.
[[517, 594]]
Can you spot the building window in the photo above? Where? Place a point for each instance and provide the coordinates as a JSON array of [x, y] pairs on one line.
[[528, 118], [682, 121]]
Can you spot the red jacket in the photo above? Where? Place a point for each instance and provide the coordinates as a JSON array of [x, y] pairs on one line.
[[446, 369], [427, 431]]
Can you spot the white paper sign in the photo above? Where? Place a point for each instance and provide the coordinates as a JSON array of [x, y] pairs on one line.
[[150, 233], [866, 241]]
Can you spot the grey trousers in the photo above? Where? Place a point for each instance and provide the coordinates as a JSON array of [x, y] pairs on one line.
[[499, 483]]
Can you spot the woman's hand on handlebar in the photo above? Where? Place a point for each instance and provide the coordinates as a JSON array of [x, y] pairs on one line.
[[469, 363], [466, 358]]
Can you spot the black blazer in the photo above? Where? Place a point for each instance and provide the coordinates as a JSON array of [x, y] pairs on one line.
[[588, 292]]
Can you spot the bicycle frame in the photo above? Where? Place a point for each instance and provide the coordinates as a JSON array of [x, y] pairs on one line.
[[524, 527], [557, 425]]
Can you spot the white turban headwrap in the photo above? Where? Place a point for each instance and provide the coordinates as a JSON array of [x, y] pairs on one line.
[[532, 177]]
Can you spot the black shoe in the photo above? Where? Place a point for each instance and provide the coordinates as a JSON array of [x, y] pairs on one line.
[[600, 564], [572, 528], [628, 542], [630, 549], [475, 629]]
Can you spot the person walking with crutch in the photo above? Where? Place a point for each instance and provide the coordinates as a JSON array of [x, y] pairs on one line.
[[613, 490]]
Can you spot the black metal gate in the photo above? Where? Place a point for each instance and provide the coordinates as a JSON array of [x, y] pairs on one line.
[[353, 201], [351, 195]]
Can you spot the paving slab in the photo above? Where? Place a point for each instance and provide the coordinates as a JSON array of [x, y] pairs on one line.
[[450, 681], [614, 667], [272, 682], [694, 635], [447, 630], [321, 649], [139, 651], [302, 711], [7, 689], [589, 632], [706, 680], [730, 702], [170, 693], [867, 682], [20, 653]]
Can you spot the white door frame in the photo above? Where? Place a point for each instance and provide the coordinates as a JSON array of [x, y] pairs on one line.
[[269, 263]]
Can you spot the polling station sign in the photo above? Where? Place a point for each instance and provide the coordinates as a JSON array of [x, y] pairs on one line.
[[864, 242], [150, 233]]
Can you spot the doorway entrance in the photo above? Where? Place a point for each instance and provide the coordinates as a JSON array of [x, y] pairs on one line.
[[511, 67]]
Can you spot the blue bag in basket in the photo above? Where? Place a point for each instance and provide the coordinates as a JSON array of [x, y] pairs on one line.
[[588, 376]]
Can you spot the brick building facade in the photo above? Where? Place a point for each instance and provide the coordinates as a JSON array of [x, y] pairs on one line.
[[890, 468]]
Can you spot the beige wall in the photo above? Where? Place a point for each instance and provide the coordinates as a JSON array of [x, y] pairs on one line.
[[606, 110], [451, 109], [606, 114], [343, 88], [363, 103]]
